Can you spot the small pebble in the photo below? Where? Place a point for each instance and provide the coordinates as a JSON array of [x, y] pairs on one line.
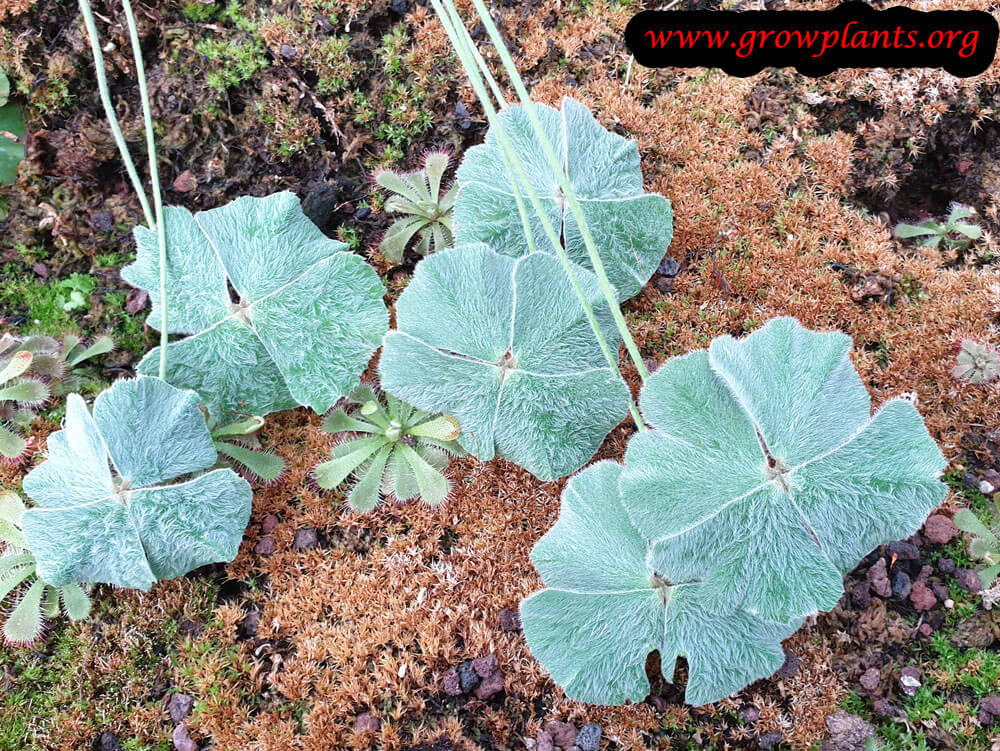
[[305, 539], [769, 739], [870, 679], [946, 565], [925, 629], [939, 529], [452, 683], [901, 585], [366, 722], [268, 525], [180, 707], [861, 595], [544, 742], [940, 590], [288, 52], [904, 551], [182, 739], [909, 680], [467, 676], [969, 580], [668, 267], [251, 622], [989, 709], [879, 579], [921, 596], [563, 733], [589, 737], [750, 714], [970, 481], [664, 284], [510, 620], [265, 546], [790, 668]]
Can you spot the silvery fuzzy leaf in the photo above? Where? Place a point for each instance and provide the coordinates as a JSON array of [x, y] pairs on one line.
[[504, 347], [107, 511], [309, 316], [606, 608], [631, 229], [767, 464]]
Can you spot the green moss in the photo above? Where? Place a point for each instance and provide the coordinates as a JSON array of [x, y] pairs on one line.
[[231, 62], [39, 302], [129, 332]]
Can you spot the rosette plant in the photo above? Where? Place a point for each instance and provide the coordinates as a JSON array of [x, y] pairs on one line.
[[18, 395], [985, 545], [393, 450], [427, 212], [35, 600]]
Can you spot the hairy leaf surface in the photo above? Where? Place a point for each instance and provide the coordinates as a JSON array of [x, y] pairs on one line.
[[307, 318], [606, 608], [631, 228], [767, 463], [107, 510], [503, 345]]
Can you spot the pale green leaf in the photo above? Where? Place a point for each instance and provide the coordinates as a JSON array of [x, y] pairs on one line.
[[11, 151], [308, 318], [75, 601], [967, 521], [767, 466], [631, 229], [25, 392], [432, 483], [263, 464], [606, 608], [24, 624], [11, 444], [347, 457], [131, 527], [503, 346], [443, 428], [364, 496]]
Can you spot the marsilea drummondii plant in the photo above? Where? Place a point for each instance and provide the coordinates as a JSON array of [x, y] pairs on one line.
[[502, 345], [765, 480], [630, 227], [307, 318], [123, 497]]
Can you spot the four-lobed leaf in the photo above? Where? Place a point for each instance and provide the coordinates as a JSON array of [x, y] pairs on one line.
[[606, 607], [630, 228], [503, 346], [308, 317], [109, 506], [767, 460]]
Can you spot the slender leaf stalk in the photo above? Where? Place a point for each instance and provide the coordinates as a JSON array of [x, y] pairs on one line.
[[154, 177], [463, 46], [570, 194], [154, 217], [109, 110]]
